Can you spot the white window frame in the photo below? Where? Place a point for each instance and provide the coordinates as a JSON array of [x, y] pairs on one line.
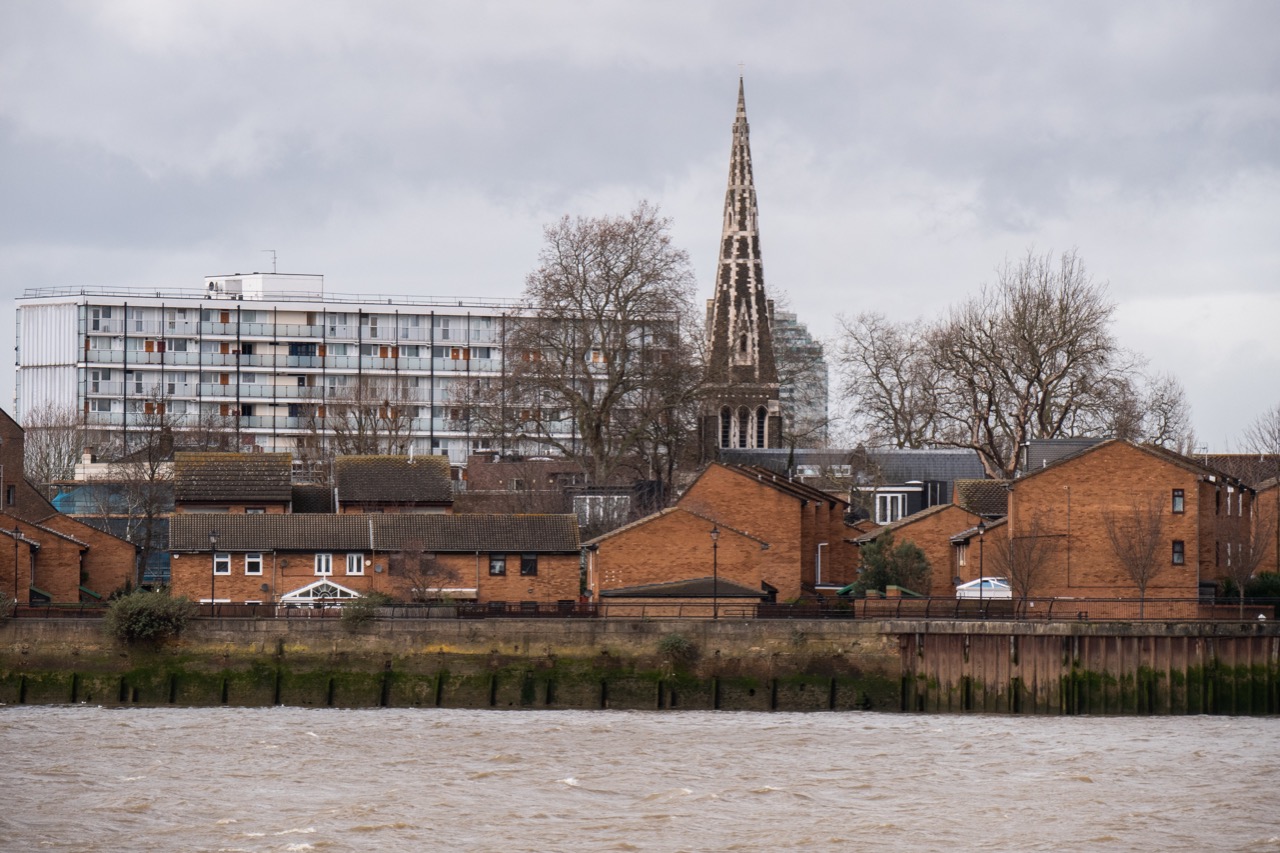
[[324, 565], [222, 562], [890, 506], [253, 563], [355, 564]]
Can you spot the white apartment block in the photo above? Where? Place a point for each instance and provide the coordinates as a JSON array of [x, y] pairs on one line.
[[261, 351]]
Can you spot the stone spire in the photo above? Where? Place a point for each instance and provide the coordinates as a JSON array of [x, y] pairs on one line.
[[742, 375]]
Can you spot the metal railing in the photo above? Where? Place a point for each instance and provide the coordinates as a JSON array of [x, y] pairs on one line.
[[1040, 609]]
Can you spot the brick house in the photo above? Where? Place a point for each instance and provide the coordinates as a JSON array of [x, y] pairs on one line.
[[232, 482], [931, 530], [393, 484], [777, 536], [1267, 524], [1203, 515], [300, 558], [45, 556]]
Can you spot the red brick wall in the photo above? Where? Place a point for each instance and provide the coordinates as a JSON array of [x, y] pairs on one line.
[[191, 575], [109, 562], [236, 508], [676, 546], [1111, 478], [932, 534]]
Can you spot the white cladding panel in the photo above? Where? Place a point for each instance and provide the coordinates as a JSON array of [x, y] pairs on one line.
[[39, 386], [50, 334]]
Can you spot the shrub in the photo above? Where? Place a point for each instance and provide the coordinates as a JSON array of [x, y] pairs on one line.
[[886, 564], [147, 617], [677, 649], [363, 609]]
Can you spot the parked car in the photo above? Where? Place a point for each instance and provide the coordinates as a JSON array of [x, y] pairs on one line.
[[985, 588]]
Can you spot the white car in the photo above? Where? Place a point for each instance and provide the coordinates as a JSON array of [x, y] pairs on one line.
[[985, 588]]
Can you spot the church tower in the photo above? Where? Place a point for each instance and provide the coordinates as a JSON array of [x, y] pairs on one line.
[[741, 407]]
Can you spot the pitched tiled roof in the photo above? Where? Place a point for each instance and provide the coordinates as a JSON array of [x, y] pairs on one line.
[[779, 482], [693, 588], [232, 477], [393, 479], [903, 522], [1255, 469], [1187, 463], [668, 511], [989, 498], [376, 532], [966, 535]]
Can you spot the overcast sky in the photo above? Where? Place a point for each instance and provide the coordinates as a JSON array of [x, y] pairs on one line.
[[902, 151]]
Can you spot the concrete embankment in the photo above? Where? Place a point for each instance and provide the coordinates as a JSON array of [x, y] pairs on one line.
[[1011, 667]]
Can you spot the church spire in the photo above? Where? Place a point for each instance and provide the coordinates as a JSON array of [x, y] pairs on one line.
[[743, 408]]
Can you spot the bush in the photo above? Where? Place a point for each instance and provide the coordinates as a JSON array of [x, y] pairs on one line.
[[884, 565], [677, 649], [147, 617], [363, 609]]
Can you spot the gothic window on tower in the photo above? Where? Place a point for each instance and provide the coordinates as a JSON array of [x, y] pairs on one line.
[[742, 343], [726, 426], [762, 418], [744, 418]]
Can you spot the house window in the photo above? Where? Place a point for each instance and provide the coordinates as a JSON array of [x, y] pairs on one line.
[[890, 508], [221, 564], [355, 564], [528, 565], [255, 510], [253, 564], [10, 494], [1180, 553], [497, 564], [1179, 500], [962, 553], [324, 564]]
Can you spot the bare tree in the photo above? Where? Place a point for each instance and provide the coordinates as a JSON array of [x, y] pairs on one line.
[[1136, 534], [138, 488], [1244, 557], [1031, 357], [890, 379], [53, 444], [372, 415], [1024, 558], [1151, 410], [605, 320], [1263, 437], [422, 572]]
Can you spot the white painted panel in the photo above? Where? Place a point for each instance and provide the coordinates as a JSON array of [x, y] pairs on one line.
[[49, 334], [40, 385]]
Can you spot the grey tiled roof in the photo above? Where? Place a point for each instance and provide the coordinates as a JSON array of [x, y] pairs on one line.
[[393, 479], [693, 588], [892, 465], [376, 532], [232, 477], [1041, 452]]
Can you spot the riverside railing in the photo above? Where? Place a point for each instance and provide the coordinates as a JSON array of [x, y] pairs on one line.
[[1037, 610]]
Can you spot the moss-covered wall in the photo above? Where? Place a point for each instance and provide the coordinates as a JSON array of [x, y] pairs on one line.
[[1058, 668]]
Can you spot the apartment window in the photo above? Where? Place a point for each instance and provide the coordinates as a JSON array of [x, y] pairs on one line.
[[299, 349], [1179, 500], [96, 316], [324, 564], [96, 378], [528, 565], [890, 508], [355, 564], [253, 564], [497, 564], [1180, 553], [99, 405], [221, 563]]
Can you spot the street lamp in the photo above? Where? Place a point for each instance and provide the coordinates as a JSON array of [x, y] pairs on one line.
[[213, 573], [715, 573], [982, 572]]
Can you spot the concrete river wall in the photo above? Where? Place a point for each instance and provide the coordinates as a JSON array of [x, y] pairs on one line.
[[760, 665]]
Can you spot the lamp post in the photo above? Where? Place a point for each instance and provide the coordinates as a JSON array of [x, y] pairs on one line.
[[982, 573], [213, 568], [715, 573]]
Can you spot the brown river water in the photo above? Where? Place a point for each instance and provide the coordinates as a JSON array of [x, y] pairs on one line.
[[287, 779]]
